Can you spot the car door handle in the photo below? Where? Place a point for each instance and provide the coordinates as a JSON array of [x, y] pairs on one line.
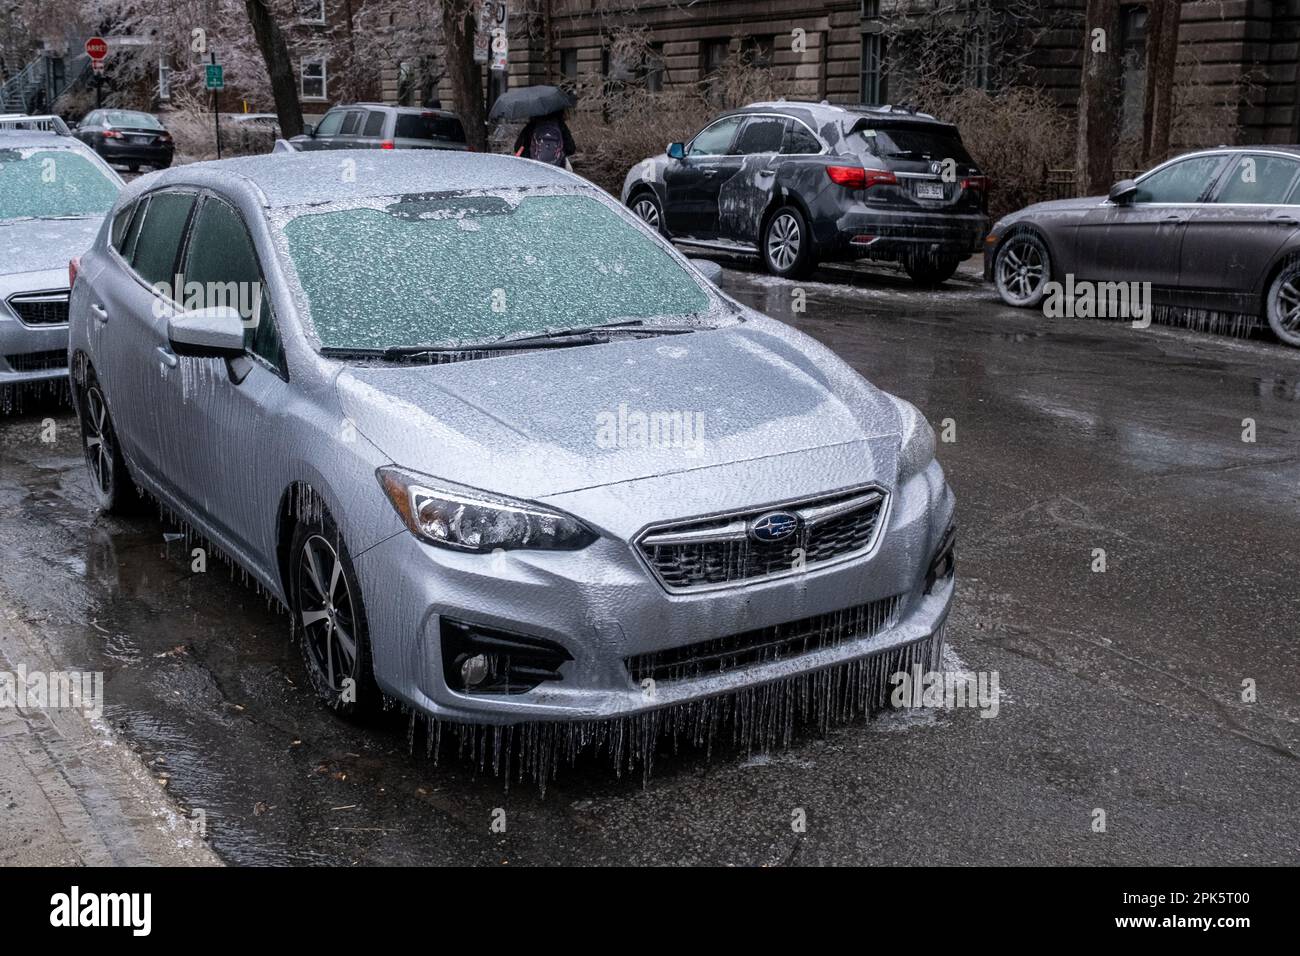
[[167, 357], [767, 172], [1285, 220], [1174, 219], [99, 312]]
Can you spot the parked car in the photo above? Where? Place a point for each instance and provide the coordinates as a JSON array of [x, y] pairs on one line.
[[798, 183], [129, 138], [427, 465], [1214, 231], [375, 126], [54, 193]]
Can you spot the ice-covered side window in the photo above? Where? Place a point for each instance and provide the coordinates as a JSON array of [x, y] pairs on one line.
[[460, 270], [45, 183]]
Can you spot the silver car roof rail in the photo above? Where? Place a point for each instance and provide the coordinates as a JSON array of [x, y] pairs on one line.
[[46, 122]]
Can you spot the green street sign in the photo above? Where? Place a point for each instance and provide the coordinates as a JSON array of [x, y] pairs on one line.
[[214, 75]]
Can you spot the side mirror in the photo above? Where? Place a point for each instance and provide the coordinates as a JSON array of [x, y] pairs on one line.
[[309, 129], [216, 332], [712, 271], [1123, 192], [676, 151]]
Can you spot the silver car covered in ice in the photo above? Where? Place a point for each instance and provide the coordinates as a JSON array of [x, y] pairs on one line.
[[54, 193], [506, 456]]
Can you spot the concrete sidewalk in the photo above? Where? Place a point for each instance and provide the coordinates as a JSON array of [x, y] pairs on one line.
[[71, 793]]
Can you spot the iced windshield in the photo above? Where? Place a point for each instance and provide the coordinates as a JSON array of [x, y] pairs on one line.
[[45, 183], [911, 141], [453, 270], [131, 120]]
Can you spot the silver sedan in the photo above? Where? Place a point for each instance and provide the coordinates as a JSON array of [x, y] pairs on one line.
[[504, 454]]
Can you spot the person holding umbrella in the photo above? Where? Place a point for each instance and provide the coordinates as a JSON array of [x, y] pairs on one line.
[[545, 136]]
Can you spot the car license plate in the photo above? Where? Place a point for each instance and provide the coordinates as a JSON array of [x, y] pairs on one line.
[[929, 190]]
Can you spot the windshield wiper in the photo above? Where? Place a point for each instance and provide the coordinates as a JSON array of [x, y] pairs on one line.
[[556, 339]]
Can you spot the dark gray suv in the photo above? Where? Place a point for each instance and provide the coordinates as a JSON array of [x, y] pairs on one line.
[[375, 126], [795, 183]]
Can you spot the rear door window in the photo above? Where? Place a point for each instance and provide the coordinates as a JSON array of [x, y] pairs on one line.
[[1259, 180], [352, 123], [433, 126], [159, 240], [120, 223], [798, 139], [760, 134], [374, 123], [221, 257]]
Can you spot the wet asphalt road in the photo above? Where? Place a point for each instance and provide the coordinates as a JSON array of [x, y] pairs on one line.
[[1121, 690]]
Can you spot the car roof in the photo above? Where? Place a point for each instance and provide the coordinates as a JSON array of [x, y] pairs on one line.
[[395, 109], [824, 111], [299, 178], [33, 138]]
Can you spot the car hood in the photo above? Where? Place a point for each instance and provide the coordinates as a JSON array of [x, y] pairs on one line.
[[37, 245], [549, 422]]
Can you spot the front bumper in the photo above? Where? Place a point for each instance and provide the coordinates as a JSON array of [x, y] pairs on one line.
[[32, 353], [602, 606]]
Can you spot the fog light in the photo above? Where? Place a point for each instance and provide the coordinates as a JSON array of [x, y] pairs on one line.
[[475, 670], [944, 561]]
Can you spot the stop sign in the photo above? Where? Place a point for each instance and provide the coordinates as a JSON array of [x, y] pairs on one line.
[[97, 48]]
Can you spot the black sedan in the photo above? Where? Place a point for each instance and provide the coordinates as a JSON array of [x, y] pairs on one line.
[[1215, 233], [127, 137], [795, 183]]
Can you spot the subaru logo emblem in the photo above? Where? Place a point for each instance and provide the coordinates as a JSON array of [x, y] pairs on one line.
[[773, 526]]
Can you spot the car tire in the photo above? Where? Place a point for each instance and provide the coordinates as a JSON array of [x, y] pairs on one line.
[[1282, 304], [786, 244], [1021, 270], [928, 270], [110, 479], [329, 619], [645, 206]]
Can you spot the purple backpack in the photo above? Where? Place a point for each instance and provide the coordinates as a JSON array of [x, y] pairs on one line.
[[547, 143]]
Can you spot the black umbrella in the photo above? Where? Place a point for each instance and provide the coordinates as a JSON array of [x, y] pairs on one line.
[[514, 106]]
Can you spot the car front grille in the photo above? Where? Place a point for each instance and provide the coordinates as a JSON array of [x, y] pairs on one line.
[[761, 646], [38, 361], [720, 551], [40, 308]]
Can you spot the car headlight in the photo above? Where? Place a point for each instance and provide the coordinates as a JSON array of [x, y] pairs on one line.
[[918, 443], [452, 516]]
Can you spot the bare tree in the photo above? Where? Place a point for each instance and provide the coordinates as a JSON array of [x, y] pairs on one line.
[[1163, 21], [1098, 98], [459, 23], [284, 86]]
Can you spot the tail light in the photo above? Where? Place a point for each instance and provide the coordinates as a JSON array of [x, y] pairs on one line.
[[855, 177], [388, 144], [112, 134], [164, 137], [74, 266], [980, 183]]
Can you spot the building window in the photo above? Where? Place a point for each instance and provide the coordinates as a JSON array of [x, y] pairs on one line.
[[871, 86], [313, 78], [569, 65], [311, 11], [713, 55], [757, 51], [975, 56], [871, 75], [654, 68]]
